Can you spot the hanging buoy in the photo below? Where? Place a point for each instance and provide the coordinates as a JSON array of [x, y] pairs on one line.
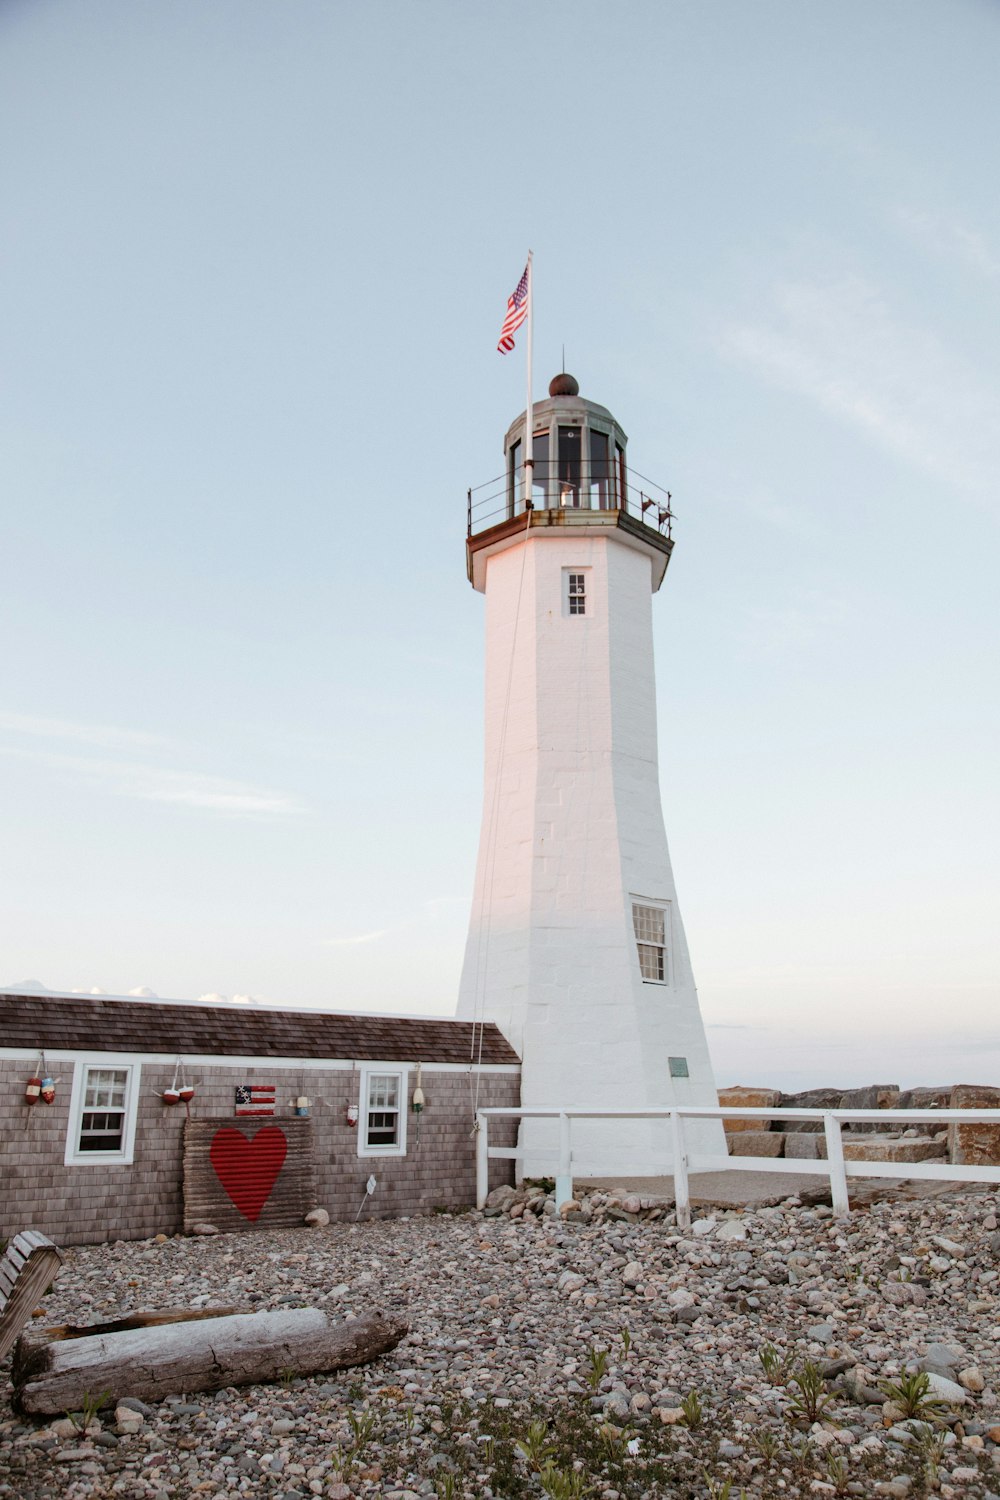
[[33, 1091], [171, 1096], [186, 1093], [48, 1090]]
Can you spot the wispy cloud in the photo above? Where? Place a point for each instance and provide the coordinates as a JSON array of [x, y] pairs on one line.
[[108, 737], [838, 344], [357, 940], [147, 783], [947, 239]]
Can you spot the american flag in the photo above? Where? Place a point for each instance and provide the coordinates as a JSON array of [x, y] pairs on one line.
[[517, 311], [255, 1098]]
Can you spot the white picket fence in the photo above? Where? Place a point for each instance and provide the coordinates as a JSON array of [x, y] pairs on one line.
[[680, 1165]]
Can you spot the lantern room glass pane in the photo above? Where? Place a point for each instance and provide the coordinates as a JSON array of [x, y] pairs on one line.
[[570, 446], [600, 472], [515, 479], [541, 474]]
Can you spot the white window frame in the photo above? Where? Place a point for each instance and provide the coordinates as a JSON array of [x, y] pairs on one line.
[[125, 1155], [583, 571], [379, 1070], [668, 946]]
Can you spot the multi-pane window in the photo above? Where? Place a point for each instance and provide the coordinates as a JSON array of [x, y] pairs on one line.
[[102, 1121], [650, 923], [383, 1091], [104, 1102], [576, 593]]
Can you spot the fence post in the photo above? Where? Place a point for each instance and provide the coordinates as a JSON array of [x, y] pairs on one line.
[[835, 1159], [564, 1172], [682, 1198], [482, 1160]]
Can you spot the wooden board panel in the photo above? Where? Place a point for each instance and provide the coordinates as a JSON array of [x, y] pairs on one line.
[[31, 1263], [248, 1174]]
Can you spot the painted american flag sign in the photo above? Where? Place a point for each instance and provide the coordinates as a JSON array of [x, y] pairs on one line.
[[517, 311], [255, 1099]]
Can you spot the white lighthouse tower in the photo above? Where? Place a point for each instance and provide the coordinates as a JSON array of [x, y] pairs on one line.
[[576, 948]]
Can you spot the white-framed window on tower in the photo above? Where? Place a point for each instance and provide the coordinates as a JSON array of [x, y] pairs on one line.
[[575, 590], [651, 923]]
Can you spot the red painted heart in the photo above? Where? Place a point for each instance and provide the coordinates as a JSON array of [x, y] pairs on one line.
[[248, 1168]]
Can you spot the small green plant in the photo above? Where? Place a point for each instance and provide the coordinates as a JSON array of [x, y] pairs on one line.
[[766, 1444], [286, 1376], [614, 1443], [811, 1399], [803, 1450], [626, 1343], [775, 1363], [446, 1487], [362, 1428], [912, 1392], [836, 1470], [535, 1447], [694, 1413], [562, 1484], [719, 1489], [89, 1408], [598, 1360], [408, 1418], [930, 1448]]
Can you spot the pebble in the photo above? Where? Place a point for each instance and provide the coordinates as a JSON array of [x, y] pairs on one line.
[[512, 1308]]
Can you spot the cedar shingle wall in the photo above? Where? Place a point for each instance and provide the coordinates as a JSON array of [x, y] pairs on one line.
[[86, 1204]]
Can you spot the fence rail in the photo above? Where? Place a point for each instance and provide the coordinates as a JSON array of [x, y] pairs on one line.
[[680, 1165]]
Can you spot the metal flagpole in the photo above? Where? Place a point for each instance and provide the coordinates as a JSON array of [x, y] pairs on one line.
[[529, 423]]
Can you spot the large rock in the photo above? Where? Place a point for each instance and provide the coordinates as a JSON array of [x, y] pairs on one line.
[[755, 1143], [974, 1145], [893, 1148], [740, 1097], [806, 1146], [874, 1096], [809, 1099], [937, 1098]]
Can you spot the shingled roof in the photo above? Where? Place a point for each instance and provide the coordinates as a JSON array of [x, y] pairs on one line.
[[81, 1022]]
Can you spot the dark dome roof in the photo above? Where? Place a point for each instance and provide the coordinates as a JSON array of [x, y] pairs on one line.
[[564, 385]]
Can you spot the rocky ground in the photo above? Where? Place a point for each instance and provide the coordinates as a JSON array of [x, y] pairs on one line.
[[605, 1354]]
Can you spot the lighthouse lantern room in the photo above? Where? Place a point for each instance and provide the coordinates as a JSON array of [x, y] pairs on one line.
[[576, 947]]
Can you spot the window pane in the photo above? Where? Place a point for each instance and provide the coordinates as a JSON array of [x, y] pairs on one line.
[[600, 472], [577, 593], [569, 465], [541, 473], [102, 1131], [515, 480], [649, 923], [650, 961], [383, 1091], [621, 477]]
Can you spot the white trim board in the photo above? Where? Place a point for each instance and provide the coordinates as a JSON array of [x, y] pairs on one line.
[[226, 1060]]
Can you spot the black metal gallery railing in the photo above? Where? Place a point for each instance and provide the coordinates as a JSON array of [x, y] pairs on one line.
[[502, 498]]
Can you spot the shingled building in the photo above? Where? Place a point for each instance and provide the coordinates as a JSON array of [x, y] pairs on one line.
[[289, 1111]]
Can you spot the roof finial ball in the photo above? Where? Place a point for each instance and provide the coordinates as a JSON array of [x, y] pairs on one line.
[[564, 385]]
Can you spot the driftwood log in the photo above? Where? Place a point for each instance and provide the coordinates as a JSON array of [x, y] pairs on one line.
[[153, 1362]]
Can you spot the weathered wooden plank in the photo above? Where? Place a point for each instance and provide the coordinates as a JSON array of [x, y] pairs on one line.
[[150, 1363], [31, 1263]]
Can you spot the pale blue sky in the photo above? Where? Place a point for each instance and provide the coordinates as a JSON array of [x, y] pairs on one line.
[[253, 265]]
